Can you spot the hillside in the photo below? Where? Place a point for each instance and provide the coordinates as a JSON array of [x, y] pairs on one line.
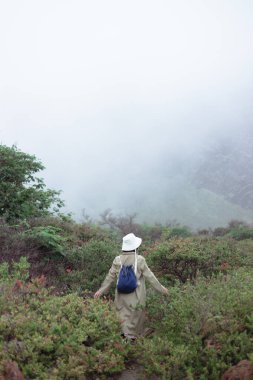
[[200, 331], [201, 187], [226, 169]]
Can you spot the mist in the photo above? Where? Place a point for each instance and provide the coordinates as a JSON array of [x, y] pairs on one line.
[[123, 103]]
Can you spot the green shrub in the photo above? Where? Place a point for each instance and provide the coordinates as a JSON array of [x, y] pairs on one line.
[[151, 233], [75, 233], [236, 229], [18, 270], [55, 337], [60, 249], [202, 330], [182, 259], [89, 264], [12, 245], [240, 232], [246, 251], [22, 193], [177, 231], [49, 238]]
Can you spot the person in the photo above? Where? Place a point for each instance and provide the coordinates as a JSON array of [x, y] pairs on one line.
[[130, 307]]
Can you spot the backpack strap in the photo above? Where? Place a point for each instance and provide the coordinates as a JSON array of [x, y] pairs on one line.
[[135, 262], [119, 269], [120, 262]]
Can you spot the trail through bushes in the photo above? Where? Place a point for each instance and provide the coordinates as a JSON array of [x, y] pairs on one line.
[[202, 329]]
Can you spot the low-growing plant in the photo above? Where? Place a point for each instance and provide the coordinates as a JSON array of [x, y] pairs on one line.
[[241, 232], [89, 264], [183, 259], [12, 246], [152, 233], [236, 229], [177, 231], [60, 249], [202, 330], [49, 238], [57, 337], [18, 270]]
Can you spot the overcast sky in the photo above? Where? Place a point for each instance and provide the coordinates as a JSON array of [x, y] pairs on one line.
[[102, 91]]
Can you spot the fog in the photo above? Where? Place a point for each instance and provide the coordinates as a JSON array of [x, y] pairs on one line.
[[122, 101]]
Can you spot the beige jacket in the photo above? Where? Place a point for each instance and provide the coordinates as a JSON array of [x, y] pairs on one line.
[[130, 306]]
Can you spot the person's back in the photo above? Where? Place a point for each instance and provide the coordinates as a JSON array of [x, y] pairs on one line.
[[130, 307]]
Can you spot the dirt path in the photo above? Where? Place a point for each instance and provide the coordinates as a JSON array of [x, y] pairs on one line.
[[132, 373]]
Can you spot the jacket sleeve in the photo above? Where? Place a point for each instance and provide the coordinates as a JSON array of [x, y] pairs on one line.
[[110, 278], [150, 277]]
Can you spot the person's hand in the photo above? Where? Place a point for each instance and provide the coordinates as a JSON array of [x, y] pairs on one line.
[[98, 294]]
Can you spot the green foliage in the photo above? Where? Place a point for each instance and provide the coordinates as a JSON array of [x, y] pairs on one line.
[[55, 337], [184, 259], [241, 233], [75, 234], [177, 231], [89, 264], [18, 270], [246, 251], [236, 229], [151, 233], [22, 194], [68, 253], [205, 327], [48, 237]]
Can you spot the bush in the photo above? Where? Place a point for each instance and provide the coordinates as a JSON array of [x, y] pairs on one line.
[[89, 264], [151, 233], [12, 246], [75, 233], [246, 251], [177, 231], [22, 194], [203, 330], [182, 259], [58, 248], [236, 229], [55, 337], [240, 233], [49, 238]]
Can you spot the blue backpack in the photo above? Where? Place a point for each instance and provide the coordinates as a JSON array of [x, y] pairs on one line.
[[127, 281]]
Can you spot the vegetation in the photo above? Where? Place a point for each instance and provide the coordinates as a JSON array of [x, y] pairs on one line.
[[185, 259], [56, 337], [203, 329], [22, 194], [226, 168], [52, 328]]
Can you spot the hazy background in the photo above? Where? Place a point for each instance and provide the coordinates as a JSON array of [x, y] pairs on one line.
[[127, 104]]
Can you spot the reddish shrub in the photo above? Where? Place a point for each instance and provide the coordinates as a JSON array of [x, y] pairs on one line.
[[242, 371], [12, 371]]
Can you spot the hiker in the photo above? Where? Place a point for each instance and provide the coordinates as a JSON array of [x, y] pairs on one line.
[[130, 307]]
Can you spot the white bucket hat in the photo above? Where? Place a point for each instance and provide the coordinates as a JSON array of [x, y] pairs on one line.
[[131, 242]]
